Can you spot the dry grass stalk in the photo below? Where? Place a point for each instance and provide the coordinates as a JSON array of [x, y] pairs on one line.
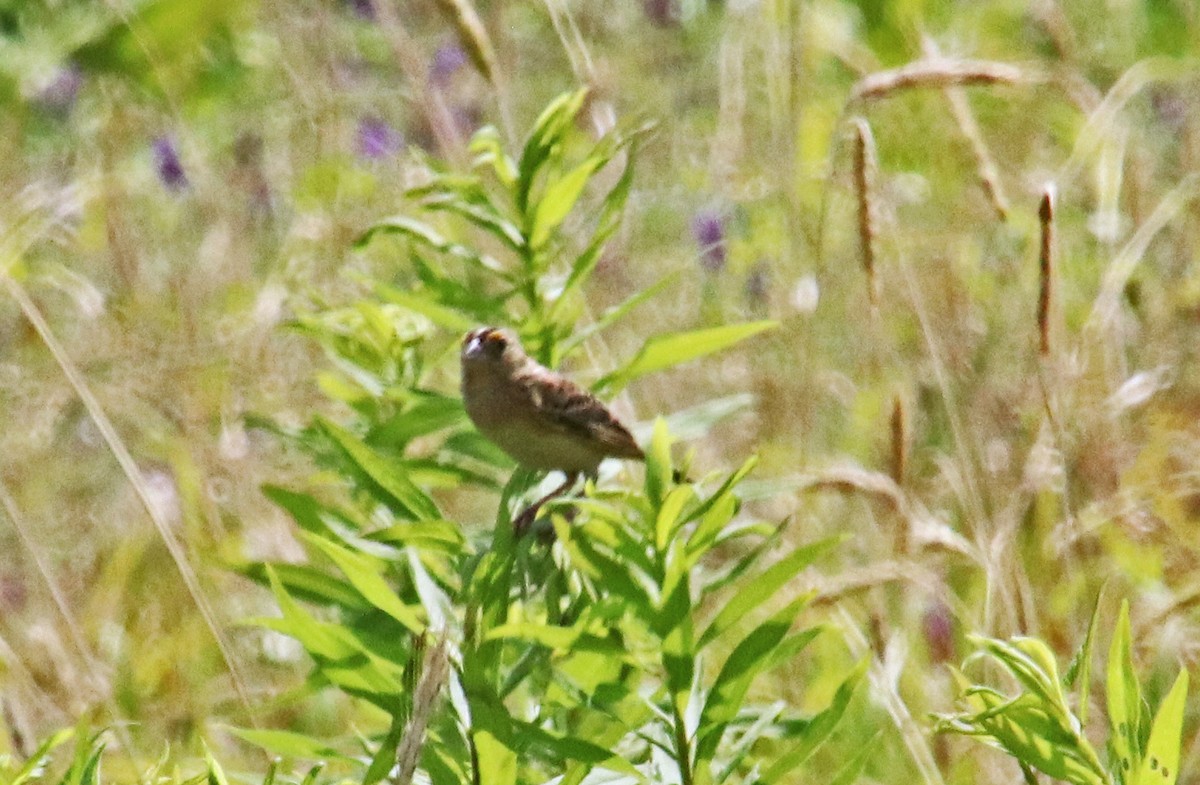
[[989, 175], [864, 171], [472, 34], [1046, 269], [432, 102], [433, 675], [939, 73]]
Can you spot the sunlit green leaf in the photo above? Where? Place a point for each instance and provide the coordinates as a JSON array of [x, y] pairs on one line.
[[756, 592], [817, 731], [1160, 766], [366, 576], [1124, 698], [288, 743], [670, 349], [385, 474]]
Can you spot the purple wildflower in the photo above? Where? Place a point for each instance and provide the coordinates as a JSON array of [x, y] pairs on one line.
[[708, 228], [938, 628], [166, 161], [377, 139], [446, 61], [59, 95]]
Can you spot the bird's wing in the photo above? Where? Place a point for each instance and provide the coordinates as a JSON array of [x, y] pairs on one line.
[[574, 409]]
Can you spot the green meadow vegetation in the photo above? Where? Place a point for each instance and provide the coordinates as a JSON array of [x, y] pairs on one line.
[[900, 299]]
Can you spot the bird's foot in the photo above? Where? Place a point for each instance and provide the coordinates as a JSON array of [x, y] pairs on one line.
[[529, 520]]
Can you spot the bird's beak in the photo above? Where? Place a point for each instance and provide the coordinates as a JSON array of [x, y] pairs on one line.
[[473, 343]]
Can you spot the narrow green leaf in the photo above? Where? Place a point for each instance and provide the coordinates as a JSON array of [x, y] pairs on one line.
[[439, 314], [558, 200], [614, 314], [1161, 763], [658, 464], [288, 743], [34, 767], [668, 519], [488, 150], [396, 487], [817, 731], [670, 349], [308, 583], [304, 509], [483, 216], [745, 663], [366, 576], [1124, 700], [1081, 664], [547, 135], [216, 774], [756, 592], [726, 487]]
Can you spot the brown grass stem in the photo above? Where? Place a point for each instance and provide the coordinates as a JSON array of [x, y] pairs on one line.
[[434, 667]]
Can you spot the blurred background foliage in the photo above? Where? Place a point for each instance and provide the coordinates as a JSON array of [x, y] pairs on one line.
[[185, 179]]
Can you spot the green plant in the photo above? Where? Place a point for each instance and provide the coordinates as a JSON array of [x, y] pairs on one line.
[[503, 660], [1039, 728]]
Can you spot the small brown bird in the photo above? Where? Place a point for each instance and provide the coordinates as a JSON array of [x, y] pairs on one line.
[[541, 419]]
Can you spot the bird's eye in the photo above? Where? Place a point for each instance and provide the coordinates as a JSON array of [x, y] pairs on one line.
[[495, 339]]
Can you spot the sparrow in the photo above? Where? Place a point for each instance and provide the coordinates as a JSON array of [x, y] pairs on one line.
[[541, 419]]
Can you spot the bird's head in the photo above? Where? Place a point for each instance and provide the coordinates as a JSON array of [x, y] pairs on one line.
[[492, 346]]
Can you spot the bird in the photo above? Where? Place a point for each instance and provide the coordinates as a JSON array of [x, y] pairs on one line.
[[538, 417]]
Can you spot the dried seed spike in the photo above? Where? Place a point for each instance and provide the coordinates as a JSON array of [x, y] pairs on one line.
[[938, 72], [1046, 267], [864, 171], [899, 428]]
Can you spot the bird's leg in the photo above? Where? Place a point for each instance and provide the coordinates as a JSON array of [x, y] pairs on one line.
[[523, 521]]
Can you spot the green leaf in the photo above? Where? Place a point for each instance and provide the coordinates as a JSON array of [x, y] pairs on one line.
[[364, 574], [158, 35], [1124, 699], [309, 584], [610, 219], [817, 731], [658, 464], [384, 474], [758, 591], [426, 414], [615, 313], [1081, 664], [497, 762], [546, 136], [216, 774], [1161, 764], [670, 349], [425, 235], [488, 150], [726, 488], [482, 215], [558, 199], [427, 307], [745, 663], [34, 767], [288, 743], [668, 519], [303, 508]]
